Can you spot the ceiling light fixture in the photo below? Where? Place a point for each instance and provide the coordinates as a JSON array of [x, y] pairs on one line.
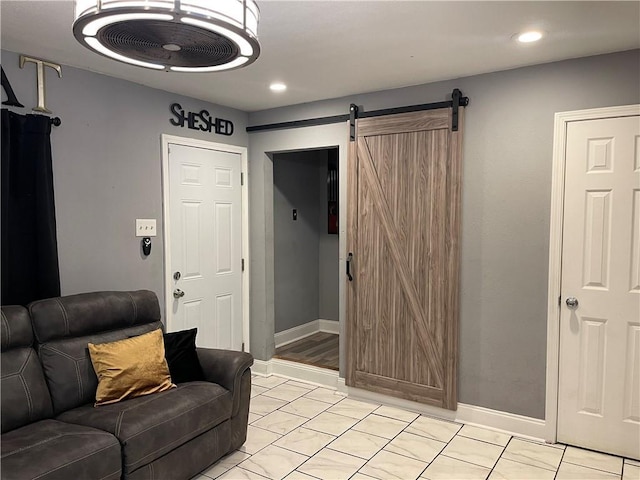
[[171, 35], [530, 36], [278, 87]]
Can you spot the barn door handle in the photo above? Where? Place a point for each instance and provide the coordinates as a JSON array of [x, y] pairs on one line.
[[349, 258]]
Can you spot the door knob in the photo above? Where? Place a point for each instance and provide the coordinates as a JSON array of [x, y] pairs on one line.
[[572, 302], [177, 293]]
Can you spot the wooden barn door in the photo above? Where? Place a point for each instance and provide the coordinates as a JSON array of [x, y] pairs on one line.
[[403, 232]]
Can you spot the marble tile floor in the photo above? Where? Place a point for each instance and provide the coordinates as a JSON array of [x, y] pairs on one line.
[[300, 431]]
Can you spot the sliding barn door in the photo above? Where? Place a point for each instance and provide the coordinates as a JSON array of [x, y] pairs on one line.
[[403, 232]]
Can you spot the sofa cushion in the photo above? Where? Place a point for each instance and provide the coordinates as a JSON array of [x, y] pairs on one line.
[[123, 372], [181, 355], [25, 397], [67, 366], [16, 328], [150, 426], [87, 313], [188, 460], [50, 450]]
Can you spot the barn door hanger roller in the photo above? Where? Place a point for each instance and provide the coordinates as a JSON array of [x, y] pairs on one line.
[[457, 101]]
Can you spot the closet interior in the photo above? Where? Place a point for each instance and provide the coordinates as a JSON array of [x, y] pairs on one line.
[[306, 253]]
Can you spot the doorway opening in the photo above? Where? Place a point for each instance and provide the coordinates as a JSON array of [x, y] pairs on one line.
[[306, 257]]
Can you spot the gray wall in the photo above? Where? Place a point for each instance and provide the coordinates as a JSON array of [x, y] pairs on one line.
[[328, 301], [107, 171], [296, 242], [505, 210]]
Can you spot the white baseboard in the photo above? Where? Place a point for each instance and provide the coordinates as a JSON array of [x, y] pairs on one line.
[[342, 386], [296, 333], [297, 371], [308, 373], [261, 367], [301, 331], [506, 422], [520, 425], [511, 423], [330, 326]]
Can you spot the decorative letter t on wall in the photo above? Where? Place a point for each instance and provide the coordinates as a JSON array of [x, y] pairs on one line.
[[40, 64]]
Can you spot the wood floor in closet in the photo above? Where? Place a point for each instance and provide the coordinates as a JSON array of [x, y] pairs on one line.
[[319, 350]]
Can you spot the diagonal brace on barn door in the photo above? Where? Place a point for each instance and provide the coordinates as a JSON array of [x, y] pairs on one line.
[[425, 333]]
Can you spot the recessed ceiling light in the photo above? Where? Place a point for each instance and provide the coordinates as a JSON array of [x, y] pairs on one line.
[[529, 37], [278, 87]]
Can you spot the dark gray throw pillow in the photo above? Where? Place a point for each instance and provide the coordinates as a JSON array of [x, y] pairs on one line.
[[182, 359]]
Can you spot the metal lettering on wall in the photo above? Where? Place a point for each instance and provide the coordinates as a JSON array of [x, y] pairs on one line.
[[201, 120], [12, 100], [40, 64]]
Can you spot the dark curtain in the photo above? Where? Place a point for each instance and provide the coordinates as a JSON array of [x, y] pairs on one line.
[[29, 246]]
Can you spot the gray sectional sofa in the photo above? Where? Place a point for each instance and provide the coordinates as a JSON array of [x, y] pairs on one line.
[[50, 428]]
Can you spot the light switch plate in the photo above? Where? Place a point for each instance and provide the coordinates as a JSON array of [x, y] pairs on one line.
[[145, 227]]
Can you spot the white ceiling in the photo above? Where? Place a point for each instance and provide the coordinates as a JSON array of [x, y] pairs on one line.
[[328, 49]]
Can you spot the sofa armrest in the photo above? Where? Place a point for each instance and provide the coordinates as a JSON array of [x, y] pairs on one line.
[[225, 367]]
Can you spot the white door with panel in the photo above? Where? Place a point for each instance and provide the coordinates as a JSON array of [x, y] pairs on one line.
[[599, 377], [206, 244]]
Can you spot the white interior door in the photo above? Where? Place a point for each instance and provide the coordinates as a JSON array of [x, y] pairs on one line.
[[599, 362], [206, 244]]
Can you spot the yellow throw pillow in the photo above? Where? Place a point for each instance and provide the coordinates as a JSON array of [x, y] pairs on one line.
[[130, 368]]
